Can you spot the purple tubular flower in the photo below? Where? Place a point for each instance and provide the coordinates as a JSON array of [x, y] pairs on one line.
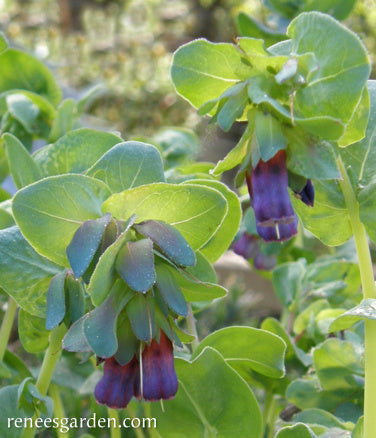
[[247, 246], [158, 372], [268, 190], [120, 383], [307, 195]]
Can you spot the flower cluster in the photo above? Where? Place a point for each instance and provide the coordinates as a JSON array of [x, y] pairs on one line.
[[150, 376]]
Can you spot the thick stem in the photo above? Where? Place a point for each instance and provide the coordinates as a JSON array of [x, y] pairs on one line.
[[59, 411], [369, 291], [6, 326], [269, 414], [47, 369]]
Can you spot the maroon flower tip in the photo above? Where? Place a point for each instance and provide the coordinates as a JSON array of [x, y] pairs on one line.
[[158, 371], [279, 232], [247, 246], [118, 384]]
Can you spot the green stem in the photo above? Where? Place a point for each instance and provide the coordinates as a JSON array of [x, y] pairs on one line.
[[114, 431], [369, 291], [151, 432], [269, 414], [6, 326], [191, 324], [47, 369], [59, 411]]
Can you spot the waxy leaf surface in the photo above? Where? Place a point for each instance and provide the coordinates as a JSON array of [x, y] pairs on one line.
[[197, 212], [50, 211]]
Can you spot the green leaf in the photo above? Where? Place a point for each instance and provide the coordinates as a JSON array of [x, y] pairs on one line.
[[270, 138], [339, 9], [9, 402], [328, 220], [140, 311], [127, 165], [23, 109], [17, 367], [299, 430], [248, 347], [104, 274], [323, 418], [212, 399], [347, 68], [307, 393], [365, 310], [22, 166], [76, 297], [198, 282], [135, 264], [169, 240], [202, 71], [337, 365], [196, 212], [361, 156], [225, 234], [75, 152], [308, 157], [235, 156], [287, 281], [358, 431], [100, 325], [356, 128], [274, 326], [232, 109], [56, 301], [24, 274], [249, 27], [32, 332], [303, 319], [170, 290], [85, 243], [49, 212], [75, 339], [64, 120], [128, 344], [35, 77]]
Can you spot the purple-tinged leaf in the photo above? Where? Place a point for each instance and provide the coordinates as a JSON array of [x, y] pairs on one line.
[[169, 240], [135, 265], [56, 301], [85, 242], [127, 341], [100, 326], [141, 313]]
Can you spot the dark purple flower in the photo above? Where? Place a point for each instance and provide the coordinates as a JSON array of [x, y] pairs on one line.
[[247, 246], [307, 194], [158, 371], [268, 190], [120, 383]]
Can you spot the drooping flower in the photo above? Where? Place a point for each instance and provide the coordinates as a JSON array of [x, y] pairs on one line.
[[268, 190], [156, 381]]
